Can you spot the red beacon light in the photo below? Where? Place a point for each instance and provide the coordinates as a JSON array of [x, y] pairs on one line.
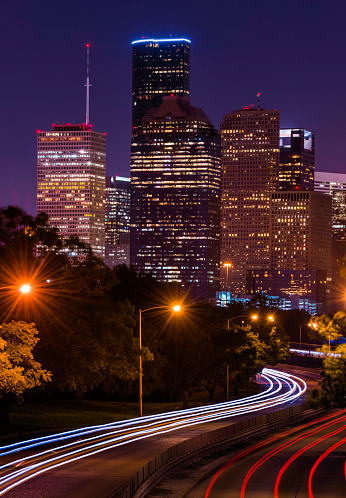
[[88, 45]]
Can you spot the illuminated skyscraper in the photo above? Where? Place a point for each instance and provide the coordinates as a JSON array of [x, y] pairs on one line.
[[300, 267], [117, 224], [250, 160], [297, 159], [175, 197], [300, 229], [160, 67], [71, 167], [334, 185]]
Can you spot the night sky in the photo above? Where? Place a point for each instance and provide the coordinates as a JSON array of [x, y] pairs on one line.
[[292, 52]]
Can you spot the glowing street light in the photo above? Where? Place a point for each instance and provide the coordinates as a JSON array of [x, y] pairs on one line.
[[253, 317], [25, 288], [176, 308]]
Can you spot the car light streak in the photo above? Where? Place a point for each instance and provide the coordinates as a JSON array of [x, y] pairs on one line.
[[14, 448], [120, 433], [300, 452], [267, 442], [319, 460], [283, 446]]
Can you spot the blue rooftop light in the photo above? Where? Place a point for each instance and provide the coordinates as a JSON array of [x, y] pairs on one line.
[[145, 40]]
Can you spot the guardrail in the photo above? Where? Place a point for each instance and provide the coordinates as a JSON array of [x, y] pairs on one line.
[[178, 455]]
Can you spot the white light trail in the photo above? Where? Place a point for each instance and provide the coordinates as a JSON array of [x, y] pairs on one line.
[[282, 388]]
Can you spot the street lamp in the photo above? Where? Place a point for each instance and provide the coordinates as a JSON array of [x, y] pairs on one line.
[[25, 288], [176, 308], [253, 317]]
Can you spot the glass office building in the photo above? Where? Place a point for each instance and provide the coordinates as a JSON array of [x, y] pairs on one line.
[[250, 161], [175, 197], [71, 172], [297, 159], [160, 67], [117, 220]]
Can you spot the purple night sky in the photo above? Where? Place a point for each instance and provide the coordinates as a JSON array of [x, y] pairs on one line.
[[292, 52]]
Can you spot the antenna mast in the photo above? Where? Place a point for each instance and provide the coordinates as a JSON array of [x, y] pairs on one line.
[[258, 101], [87, 86]]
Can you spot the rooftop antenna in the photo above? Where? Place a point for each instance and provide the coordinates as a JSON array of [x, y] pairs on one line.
[[87, 86], [258, 101]]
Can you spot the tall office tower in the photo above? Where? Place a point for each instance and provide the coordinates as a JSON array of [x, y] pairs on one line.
[[334, 185], [117, 221], [300, 252], [160, 67], [250, 160], [297, 159], [301, 233], [71, 171], [175, 197]]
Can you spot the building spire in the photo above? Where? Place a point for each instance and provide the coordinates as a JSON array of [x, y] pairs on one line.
[[87, 86]]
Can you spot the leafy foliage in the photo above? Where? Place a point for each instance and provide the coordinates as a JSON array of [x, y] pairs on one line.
[[19, 371]]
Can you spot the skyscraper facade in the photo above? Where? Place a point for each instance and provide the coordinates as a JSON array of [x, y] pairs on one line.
[[250, 161], [117, 220], [175, 197], [300, 252], [297, 159], [334, 185], [300, 231], [71, 171], [159, 67]]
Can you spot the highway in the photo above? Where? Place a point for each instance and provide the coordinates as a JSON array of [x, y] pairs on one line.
[[306, 461], [40, 460]]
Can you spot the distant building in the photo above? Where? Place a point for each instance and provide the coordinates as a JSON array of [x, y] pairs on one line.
[[300, 252], [334, 185], [117, 221], [160, 67], [250, 162], [175, 197], [291, 289], [300, 231], [297, 159], [71, 172]]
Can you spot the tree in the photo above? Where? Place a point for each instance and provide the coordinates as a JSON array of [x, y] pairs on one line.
[[19, 371], [333, 385]]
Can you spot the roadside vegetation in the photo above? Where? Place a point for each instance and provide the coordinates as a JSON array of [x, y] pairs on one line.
[[83, 317]]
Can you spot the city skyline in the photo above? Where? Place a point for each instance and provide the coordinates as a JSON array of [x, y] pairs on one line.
[[289, 53]]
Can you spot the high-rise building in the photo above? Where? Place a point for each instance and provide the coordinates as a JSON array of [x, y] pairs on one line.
[[300, 231], [334, 185], [117, 220], [160, 67], [71, 171], [250, 161], [297, 159], [175, 197], [300, 252]]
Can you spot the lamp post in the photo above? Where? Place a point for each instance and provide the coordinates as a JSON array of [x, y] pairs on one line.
[[253, 317], [176, 308]]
